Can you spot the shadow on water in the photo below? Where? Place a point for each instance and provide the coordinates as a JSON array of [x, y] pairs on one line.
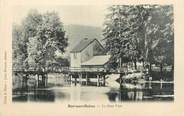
[[147, 91], [153, 92], [127, 92], [34, 95]]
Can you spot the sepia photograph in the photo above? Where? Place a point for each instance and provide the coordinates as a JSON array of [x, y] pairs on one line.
[[93, 53]]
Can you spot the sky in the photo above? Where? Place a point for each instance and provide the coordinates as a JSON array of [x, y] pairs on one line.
[[80, 15]]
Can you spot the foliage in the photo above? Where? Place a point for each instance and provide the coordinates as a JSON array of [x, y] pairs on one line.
[[41, 36], [140, 32], [19, 53]]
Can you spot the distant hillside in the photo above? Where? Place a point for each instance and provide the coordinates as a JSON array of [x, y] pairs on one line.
[[77, 32]]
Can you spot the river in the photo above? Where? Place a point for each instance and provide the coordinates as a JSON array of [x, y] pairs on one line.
[[146, 91]]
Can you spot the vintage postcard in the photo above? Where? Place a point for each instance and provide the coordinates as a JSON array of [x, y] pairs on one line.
[[96, 57]]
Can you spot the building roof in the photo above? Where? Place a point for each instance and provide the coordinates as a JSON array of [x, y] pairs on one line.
[[82, 44], [97, 60]]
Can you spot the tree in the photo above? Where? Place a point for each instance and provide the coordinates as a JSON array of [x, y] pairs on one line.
[[124, 32], [164, 51], [21, 34], [139, 32], [18, 49], [50, 37], [41, 36], [116, 40]]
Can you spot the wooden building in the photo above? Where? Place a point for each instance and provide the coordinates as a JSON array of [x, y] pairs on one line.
[[88, 61], [88, 54]]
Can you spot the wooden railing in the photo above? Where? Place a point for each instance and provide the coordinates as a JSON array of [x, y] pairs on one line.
[[85, 69], [77, 69], [64, 69]]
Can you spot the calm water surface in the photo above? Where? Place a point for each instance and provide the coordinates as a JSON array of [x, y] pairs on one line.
[[127, 92]]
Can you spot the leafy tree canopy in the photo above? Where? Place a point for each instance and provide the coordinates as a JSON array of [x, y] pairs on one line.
[[38, 39], [140, 32]]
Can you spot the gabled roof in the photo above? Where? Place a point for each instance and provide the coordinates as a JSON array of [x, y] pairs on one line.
[[97, 60], [83, 44]]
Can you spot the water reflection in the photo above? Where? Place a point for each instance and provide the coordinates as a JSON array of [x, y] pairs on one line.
[[34, 95], [127, 92]]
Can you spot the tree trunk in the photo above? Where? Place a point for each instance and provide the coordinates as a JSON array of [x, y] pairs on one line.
[[135, 64], [161, 71], [26, 81], [126, 67], [120, 63], [150, 68]]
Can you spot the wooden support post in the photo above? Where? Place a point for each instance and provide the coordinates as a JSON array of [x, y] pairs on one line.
[[97, 80], [22, 82], [26, 81], [80, 79], [42, 80], [160, 84], [70, 79], [103, 80], [56, 80], [37, 81], [135, 95], [75, 80], [149, 85], [86, 79], [46, 80]]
